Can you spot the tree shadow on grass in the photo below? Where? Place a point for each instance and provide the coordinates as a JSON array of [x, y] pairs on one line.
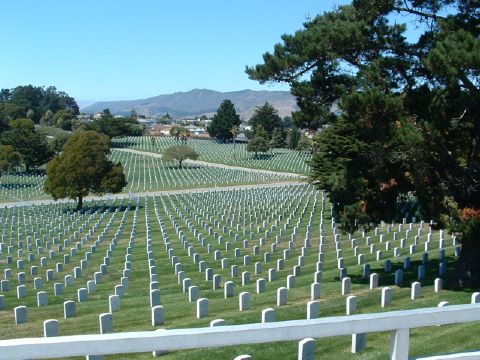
[[410, 275], [124, 145], [184, 167], [90, 209], [263, 157], [13, 186], [34, 172]]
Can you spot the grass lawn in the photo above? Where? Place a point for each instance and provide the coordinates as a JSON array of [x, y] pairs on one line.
[[237, 215]]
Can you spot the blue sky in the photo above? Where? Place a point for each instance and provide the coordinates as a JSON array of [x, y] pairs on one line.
[[112, 50], [118, 49]]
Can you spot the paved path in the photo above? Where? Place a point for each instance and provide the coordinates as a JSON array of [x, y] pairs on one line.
[[206, 163], [151, 193]]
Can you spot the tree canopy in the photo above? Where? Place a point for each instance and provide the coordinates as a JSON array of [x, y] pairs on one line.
[[64, 119], [406, 120], [293, 138], [259, 141], [58, 142], [164, 119], [267, 116], [179, 153], [115, 126], [224, 119], [180, 133], [9, 158], [32, 145], [83, 167], [278, 138], [33, 102]]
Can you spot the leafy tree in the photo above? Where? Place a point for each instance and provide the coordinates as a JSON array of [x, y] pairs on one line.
[[304, 144], [185, 135], [164, 119], [9, 112], [83, 167], [30, 114], [9, 158], [32, 102], [179, 153], [278, 138], [258, 144], [407, 119], [64, 119], [48, 118], [260, 131], [248, 134], [32, 145], [175, 132], [58, 142], [22, 125], [266, 116], [225, 118], [56, 100], [293, 137], [115, 126]]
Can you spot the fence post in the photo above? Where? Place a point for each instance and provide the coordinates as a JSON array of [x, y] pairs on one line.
[[399, 344]]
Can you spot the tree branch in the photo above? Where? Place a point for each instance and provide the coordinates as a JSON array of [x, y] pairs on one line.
[[417, 12], [468, 84], [299, 73]]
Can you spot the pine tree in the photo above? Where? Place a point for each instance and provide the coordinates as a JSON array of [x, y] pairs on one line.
[[266, 116], [277, 138], [401, 117], [225, 118]]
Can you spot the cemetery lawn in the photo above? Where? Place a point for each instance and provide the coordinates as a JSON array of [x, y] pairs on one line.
[[144, 173], [236, 215], [280, 160]]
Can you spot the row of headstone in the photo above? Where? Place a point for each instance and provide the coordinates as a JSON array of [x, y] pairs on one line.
[[50, 275]]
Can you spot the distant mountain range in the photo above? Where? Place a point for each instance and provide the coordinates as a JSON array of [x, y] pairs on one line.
[[198, 102]]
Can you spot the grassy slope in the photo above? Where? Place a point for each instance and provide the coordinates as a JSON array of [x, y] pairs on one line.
[[135, 313], [51, 131]]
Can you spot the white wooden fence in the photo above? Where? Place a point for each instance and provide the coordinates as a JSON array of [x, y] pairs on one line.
[[398, 322]]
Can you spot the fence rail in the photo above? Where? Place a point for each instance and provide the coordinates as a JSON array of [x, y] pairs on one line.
[[399, 322]]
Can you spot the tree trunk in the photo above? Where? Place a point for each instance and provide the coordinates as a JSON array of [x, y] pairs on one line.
[[180, 164], [80, 202]]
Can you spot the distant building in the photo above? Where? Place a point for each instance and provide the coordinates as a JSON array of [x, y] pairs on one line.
[[160, 130], [146, 121], [84, 118], [164, 130], [196, 130]]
